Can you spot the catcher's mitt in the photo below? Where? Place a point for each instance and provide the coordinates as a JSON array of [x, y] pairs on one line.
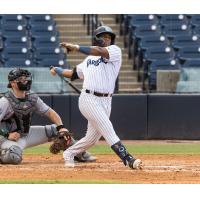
[[62, 142]]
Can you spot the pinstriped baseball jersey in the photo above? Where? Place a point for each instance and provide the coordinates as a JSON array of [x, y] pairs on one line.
[[99, 73]]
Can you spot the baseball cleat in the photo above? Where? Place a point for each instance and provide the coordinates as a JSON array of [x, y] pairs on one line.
[[85, 157], [135, 164], [69, 163]]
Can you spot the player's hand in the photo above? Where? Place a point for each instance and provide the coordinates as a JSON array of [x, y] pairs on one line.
[[14, 136], [52, 70], [70, 47]]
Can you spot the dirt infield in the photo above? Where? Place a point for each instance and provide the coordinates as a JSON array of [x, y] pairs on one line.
[[157, 169]]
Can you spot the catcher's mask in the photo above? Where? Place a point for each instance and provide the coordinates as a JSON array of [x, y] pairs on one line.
[[97, 41], [23, 77]]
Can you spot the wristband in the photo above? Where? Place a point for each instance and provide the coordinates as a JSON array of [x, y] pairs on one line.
[[59, 127], [85, 50], [58, 70]]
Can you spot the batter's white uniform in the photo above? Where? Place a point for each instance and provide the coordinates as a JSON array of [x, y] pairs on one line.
[[99, 75]]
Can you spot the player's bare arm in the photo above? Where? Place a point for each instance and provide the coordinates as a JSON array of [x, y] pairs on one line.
[[54, 117]]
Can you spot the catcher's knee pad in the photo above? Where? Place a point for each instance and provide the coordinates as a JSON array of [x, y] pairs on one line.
[[51, 131], [12, 155]]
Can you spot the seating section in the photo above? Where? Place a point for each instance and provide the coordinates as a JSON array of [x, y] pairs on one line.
[[163, 42], [22, 38], [31, 41]]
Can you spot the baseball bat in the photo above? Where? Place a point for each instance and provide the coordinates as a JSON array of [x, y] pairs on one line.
[[66, 80]]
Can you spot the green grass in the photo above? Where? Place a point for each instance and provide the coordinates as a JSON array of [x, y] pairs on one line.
[[171, 148]]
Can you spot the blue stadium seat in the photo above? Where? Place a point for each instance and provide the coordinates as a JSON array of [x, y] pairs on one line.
[[48, 31], [18, 42], [140, 32], [195, 20], [186, 40], [192, 63], [153, 54], [14, 19], [163, 64], [19, 62], [1, 43], [169, 19], [39, 42], [144, 19], [14, 30], [16, 52], [47, 62], [39, 17], [174, 30], [148, 42], [188, 53], [46, 52], [196, 30]]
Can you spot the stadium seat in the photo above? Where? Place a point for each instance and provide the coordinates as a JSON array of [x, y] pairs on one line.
[[45, 53], [48, 31], [153, 54], [141, 32], [1, 43], [39, 17], [174, 30], [16, 52], [19, 62], [18, 42], [169, 19], [192, 63], [164, 64], [195, 20], [14, 30], [148, 42], [47, 62], [140, 20], [14, 19], [189, 40], [39, 42], [188, 52]]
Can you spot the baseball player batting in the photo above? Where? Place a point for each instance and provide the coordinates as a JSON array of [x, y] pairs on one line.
[[99, 71]]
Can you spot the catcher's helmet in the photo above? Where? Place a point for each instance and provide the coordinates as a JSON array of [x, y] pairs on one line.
[[100, 30], [18, 72]]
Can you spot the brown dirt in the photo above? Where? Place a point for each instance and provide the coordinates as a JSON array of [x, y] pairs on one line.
[[157, 169]]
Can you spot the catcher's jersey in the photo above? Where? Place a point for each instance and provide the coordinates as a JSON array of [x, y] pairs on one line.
[[99, 73]]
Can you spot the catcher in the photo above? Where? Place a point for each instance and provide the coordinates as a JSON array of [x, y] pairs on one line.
[[16, 133]]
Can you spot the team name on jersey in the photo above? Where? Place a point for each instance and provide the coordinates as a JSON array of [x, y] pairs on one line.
[[96, 62]]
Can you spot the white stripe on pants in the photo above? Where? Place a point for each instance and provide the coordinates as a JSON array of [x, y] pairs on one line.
[[97, 111]]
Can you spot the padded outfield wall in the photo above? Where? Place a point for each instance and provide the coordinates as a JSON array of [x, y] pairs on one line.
[[138, 116]]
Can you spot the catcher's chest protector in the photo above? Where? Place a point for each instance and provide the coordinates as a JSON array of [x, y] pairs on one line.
[[23, 111]]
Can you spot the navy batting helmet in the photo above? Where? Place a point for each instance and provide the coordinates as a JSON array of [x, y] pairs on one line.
[[100, 30]]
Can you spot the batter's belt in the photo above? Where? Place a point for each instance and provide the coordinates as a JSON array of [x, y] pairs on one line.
[[98, 94]]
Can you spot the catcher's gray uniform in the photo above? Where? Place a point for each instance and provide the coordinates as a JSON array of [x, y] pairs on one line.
[[35, 136]]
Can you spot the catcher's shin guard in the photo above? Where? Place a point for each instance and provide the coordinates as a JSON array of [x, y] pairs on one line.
[[127, 158]]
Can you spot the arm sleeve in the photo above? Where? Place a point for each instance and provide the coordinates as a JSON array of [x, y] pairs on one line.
[[41, 107], [115, 53], [4, 105]]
